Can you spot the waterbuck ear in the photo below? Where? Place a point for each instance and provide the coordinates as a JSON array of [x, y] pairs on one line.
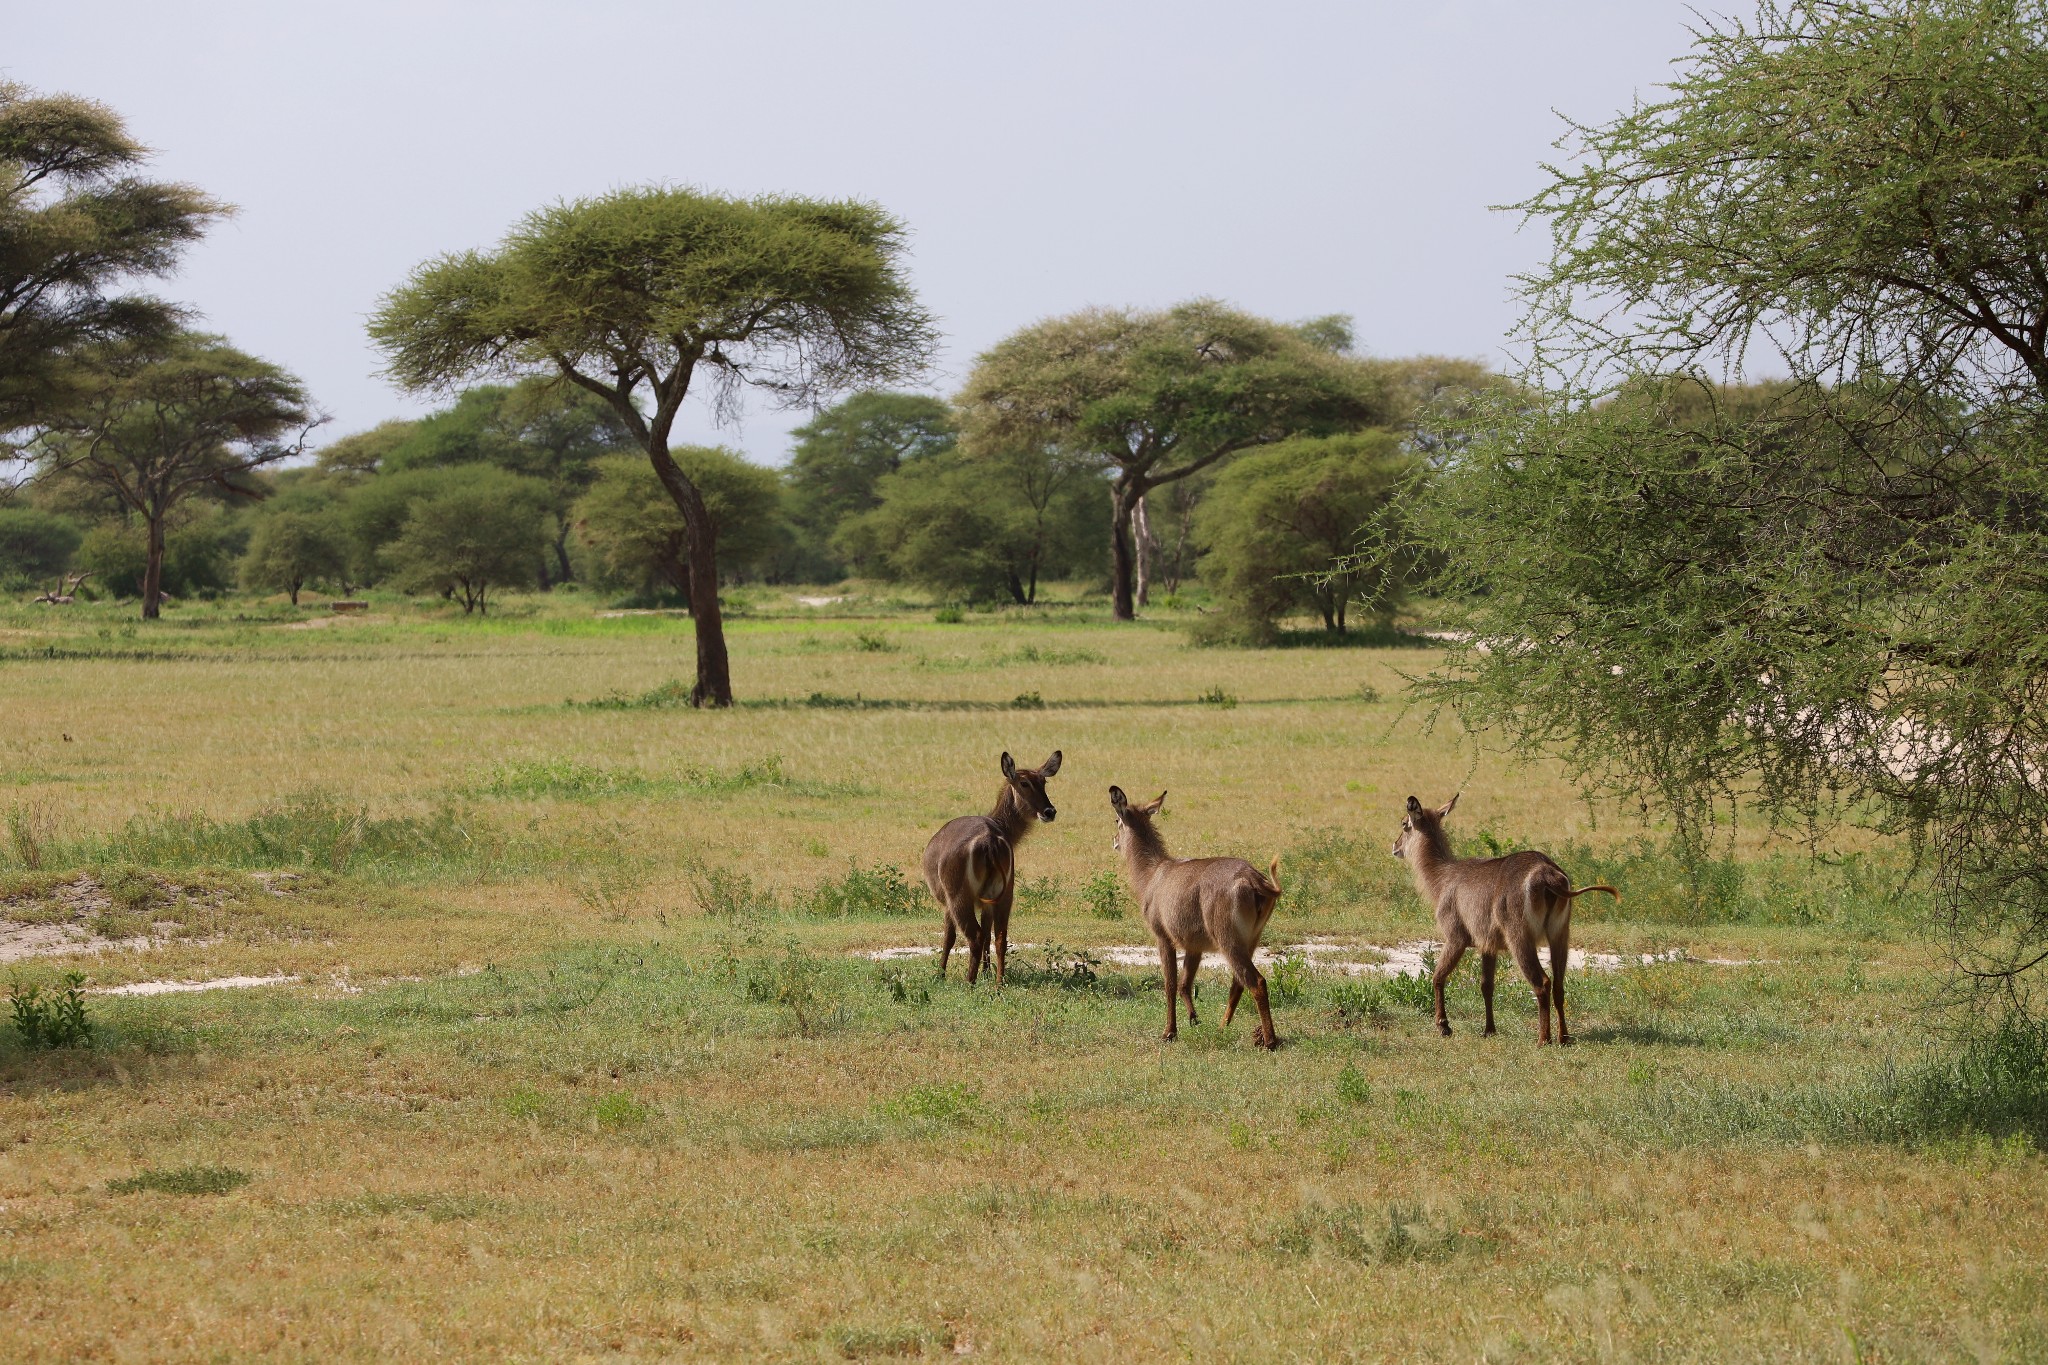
[[1157, 802], [1117, 800], [1009, 765], [1445, 808], [1051, 765], [1413, 805]]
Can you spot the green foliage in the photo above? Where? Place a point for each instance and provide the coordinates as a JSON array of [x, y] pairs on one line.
[[294, 546], [35, 544], [480, 533], [1307, 523], [1819, 598], [312, 830], [632, 524], [1103, 895], [1157, 397], [157, 420], [863, 892], [1219, 698], [838, 459], [182, 1180], [986, 529], [59, 1021], [199, 556], [76, 224], [632, 292]]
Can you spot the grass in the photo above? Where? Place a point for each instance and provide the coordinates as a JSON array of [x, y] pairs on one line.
[[586, 1057]]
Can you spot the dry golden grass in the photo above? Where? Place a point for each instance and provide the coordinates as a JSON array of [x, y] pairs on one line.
[[593, 1126]]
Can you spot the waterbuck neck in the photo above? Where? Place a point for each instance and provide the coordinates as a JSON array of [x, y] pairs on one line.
[[1430, 858], [1011, 815], [1143, 848]]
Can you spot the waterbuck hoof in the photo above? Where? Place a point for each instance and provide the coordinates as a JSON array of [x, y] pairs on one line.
[[1565, 1040], [1171, 1035], [1443, 1030], [1488, 1031], [1269, 1043]]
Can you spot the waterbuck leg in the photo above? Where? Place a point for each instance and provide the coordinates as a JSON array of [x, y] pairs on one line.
[[1188, 964], [1167, 976], [1236, 994], [946, 948], [999, 914], [1487, 963], [976, 934], [1455, 942], [1560, 957], [1272, 1038], [1523, 945]]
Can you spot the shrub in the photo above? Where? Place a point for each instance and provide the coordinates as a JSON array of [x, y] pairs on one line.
[[56, 1022]]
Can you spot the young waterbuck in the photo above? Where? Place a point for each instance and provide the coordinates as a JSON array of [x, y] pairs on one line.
[[972, 861], [1197, 905], [1493, 904]]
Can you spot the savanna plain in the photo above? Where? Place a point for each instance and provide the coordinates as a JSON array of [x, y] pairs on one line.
[[587, 1049]]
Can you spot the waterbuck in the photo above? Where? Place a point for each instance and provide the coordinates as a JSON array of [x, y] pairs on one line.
[[973, 861], [1197, 905], [1493, 904]]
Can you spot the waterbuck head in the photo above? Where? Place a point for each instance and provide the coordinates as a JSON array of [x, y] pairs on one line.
[[1135, 819], [1422, 826], [1029, 785]]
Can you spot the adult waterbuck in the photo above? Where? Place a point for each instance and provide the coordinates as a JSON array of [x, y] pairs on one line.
[[1493, 904], [1197, 905], [972, 861]]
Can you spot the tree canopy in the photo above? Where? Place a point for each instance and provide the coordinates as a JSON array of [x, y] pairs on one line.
[[630, 295], [628, 518], [1282, 527], [843, 453], [1822, 597], [1158, 396], [155, 421], [76, 224], [471, 535]]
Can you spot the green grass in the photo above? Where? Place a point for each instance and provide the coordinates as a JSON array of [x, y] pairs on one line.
[[587, 1056]]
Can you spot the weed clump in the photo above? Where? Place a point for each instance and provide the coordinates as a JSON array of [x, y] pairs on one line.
[[1397, 1234], [182, 1180], [57, 1022]]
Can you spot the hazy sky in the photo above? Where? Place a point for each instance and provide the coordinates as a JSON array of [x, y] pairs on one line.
[[1294, 159]]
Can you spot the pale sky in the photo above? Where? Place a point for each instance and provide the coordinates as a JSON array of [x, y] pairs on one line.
[[1294, 159]]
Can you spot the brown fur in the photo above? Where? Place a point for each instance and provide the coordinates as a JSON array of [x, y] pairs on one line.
[[1496, 905], [1196, 906], [972, 861]]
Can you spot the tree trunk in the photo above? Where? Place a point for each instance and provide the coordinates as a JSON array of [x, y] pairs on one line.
[[1121, 500], [1016, 586], [153, 570], [714, 671], [563, 575], [295, 593], [1141, 537]]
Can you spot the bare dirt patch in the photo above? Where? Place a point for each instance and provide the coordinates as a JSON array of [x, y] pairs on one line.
[[1343, 956]]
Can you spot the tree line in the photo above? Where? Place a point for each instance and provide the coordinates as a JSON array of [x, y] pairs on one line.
[[1817, 598]]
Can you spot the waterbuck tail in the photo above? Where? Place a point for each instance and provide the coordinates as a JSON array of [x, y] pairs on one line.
[[1574, 895], [1273, 873]]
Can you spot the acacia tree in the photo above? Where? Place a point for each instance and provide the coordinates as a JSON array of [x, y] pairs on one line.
[[293, 546], [630, 295], [1283, 524], [75, 223], [1823, 598], [479, 530], [155, 421], [1157, 396]]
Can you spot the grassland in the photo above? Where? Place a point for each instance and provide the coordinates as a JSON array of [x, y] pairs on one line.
[[586, 1059]]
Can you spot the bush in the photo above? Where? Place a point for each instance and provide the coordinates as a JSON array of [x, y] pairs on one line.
[[53, 1023], [35, 544]]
